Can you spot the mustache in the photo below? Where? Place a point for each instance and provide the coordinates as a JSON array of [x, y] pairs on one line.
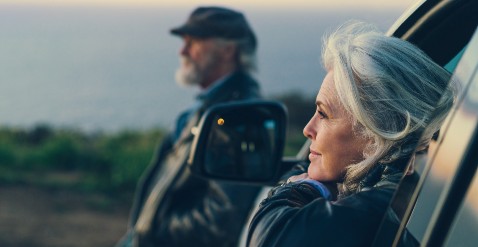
[[185, 60]]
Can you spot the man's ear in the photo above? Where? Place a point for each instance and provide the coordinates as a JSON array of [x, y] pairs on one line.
[[229, 52]]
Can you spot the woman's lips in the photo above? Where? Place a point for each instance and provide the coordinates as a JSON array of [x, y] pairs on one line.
[[313, 155]]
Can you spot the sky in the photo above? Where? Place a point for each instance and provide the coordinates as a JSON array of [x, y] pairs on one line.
[[81, 61], [249, 3]]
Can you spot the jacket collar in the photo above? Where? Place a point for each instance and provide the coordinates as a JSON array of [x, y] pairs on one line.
[[231, 87], [388, 174], [212, 90]]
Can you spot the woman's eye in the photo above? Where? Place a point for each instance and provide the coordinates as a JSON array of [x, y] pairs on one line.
[[322, 115]]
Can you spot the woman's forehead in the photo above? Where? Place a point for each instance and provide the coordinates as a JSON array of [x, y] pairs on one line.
[[328, 96], [327, 90]]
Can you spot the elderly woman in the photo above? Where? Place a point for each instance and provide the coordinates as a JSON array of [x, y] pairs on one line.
[[380, 102]]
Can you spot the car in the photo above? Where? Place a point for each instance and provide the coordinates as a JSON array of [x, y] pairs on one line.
[[438, 205]]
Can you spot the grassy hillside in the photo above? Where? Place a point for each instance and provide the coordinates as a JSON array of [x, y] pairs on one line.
[[108, 162]]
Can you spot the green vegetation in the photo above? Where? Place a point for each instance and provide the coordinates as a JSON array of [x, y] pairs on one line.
[[70, 158], [104, 162], [300, 109], [59, 158]]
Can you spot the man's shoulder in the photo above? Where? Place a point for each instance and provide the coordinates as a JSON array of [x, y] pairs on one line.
[[246, 84], [242, 76], [238, 86]]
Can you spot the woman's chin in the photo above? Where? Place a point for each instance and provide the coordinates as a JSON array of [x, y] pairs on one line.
[[315, 173]]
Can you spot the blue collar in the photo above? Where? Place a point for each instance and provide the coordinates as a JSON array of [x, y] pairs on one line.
[[211, 90]]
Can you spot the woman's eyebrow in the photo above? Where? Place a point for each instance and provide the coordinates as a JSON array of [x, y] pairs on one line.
[[325, 108]]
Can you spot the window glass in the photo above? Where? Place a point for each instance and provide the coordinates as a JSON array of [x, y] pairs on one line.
[[467, 220], [450, 66]]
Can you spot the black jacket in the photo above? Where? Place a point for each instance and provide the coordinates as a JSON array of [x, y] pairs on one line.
[[296, 214], [173, 207]]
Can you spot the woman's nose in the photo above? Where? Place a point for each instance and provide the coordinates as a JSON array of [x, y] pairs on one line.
[[309, 131]]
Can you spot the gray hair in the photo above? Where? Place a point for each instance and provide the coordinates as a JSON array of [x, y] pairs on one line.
[[393, 91], [246, 53]]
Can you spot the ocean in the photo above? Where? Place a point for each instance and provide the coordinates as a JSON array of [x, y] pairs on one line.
[[112, 68]]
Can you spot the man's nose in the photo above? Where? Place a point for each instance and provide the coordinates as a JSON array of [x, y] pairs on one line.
[[184, 51]]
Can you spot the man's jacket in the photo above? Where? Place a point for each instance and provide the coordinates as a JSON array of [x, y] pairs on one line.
[[172, 207]]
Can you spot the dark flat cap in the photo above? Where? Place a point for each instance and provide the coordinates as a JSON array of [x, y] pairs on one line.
[[209, 22]]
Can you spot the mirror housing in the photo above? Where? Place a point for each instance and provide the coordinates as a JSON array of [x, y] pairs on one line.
[[240, 141]]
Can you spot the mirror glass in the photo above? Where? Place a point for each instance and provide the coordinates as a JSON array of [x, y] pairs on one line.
[[241, 144]]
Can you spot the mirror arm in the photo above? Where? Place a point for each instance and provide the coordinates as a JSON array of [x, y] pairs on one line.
[[287, 163]]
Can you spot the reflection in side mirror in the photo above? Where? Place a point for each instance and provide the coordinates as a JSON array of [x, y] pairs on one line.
[[240, 141]]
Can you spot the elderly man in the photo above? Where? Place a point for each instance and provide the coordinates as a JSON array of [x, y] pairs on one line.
[[172, 207]]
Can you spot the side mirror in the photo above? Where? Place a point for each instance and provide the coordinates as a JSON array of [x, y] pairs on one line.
[[240, 141]]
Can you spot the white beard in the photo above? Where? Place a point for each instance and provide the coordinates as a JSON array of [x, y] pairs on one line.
[[193, 73], [188, 74]]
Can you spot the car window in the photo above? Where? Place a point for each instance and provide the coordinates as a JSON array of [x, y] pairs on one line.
[[450, 66], [440, 28]]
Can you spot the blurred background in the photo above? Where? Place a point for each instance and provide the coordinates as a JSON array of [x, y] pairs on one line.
[[87, 91]]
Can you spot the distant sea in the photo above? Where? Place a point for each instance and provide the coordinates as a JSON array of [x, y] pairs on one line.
[[113, 68]]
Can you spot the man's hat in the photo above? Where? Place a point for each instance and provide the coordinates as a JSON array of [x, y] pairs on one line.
[[217, 22]]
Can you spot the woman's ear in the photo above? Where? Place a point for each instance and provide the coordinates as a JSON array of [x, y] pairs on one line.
[[420, 155], [411, 166]]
